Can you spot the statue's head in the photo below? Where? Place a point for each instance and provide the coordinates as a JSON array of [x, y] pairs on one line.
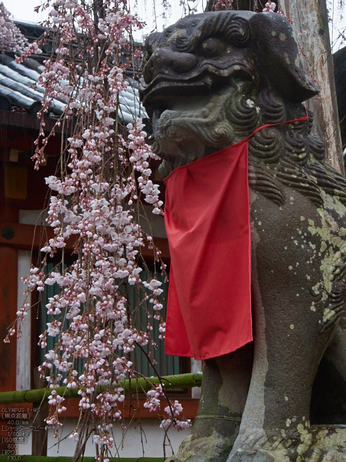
[[210, 79]]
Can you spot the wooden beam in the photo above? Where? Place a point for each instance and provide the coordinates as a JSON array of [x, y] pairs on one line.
[[27, 237]]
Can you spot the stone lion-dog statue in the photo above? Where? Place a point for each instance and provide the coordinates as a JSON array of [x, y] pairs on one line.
[[209, 81]]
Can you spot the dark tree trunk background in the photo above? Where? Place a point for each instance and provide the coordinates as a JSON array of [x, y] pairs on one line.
[[250, 5]]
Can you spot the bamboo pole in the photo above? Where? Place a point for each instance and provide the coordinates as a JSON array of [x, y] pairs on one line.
[[132, 385]]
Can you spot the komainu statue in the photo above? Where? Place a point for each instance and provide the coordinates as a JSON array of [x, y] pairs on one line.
[[263, 258]]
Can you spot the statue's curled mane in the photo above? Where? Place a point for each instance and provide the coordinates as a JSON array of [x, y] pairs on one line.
[[289, 154]]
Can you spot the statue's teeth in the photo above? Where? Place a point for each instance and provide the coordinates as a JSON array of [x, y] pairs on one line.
[[155, 147], [156, 115]]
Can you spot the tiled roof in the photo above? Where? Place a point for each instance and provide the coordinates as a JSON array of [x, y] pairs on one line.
[[19, 90]]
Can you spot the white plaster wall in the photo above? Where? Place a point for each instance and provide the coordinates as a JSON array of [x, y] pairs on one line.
[[31, 217], [24, 430], [146, 439], [151, 223], [23, 373], [138, 440], [196, 366]]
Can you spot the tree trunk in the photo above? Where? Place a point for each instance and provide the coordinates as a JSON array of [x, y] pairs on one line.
[[310, 23]]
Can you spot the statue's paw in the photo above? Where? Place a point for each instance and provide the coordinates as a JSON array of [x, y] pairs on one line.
[[174, 458], [315, 444], [212, 448], [252, 456], [256, 445], [252, 446], [320, 455], [328, 444], [314, 455], [189, 458]]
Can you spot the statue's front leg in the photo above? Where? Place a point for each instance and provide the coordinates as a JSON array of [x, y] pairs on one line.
[[224, 390], [291, 309], [275, 424]]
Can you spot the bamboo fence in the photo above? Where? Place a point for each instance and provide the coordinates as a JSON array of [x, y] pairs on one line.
[[131, 385]]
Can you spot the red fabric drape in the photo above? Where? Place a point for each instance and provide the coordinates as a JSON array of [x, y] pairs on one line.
[[208, 228], [207, 218]]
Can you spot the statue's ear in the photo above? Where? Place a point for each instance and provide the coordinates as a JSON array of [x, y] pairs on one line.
[[277, 53]]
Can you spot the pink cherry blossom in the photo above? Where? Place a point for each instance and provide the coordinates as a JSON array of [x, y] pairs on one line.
[[103, 177], [11, 38]]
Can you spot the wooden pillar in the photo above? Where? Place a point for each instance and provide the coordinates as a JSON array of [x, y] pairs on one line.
[[8, 308]]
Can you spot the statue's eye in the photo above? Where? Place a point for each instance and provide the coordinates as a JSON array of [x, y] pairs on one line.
[[181, 42], [169, 31], [212, 46]]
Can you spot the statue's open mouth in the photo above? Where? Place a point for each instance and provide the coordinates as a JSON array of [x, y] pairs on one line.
[[194, 116], [175, 96], [183, 106], [190, 93], [192, 109]]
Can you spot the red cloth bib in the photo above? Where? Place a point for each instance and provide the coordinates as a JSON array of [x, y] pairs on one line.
[[207, 221], [207, 218]]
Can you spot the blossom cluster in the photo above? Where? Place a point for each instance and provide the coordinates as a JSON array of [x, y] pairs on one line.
[[95, 203], [223, 5], [153, 402], [11, 38], [174, 417], [269, 7]]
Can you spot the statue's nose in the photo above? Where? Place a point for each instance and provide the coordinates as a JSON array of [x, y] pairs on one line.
[[164, 59]]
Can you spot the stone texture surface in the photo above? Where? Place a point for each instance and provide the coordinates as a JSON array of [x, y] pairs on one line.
[[208, 82]]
